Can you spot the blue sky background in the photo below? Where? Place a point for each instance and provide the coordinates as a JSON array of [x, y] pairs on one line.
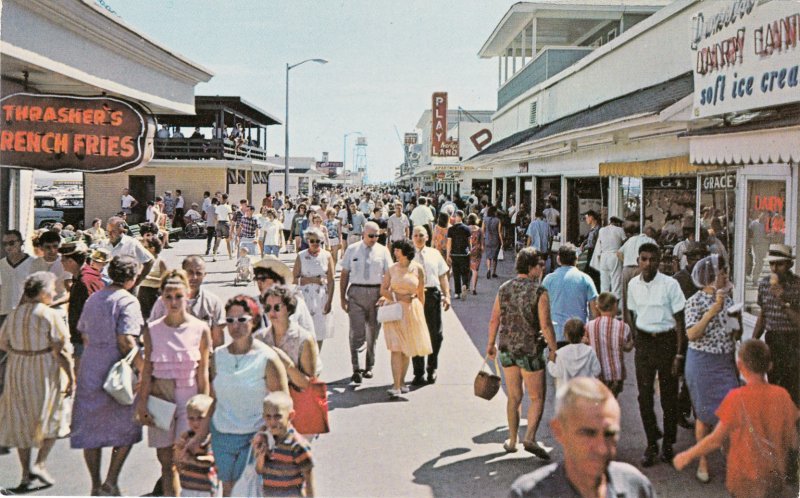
[[386, 58]]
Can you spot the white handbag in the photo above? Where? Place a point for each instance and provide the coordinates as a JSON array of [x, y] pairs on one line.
[[121, 379], [391, 312], [501, 255], [161, 411], [250, 484]]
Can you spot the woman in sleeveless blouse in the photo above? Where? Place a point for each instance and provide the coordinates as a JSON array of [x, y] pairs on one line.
[[176, 359], [407, 337], [313, 274], [521, 318]]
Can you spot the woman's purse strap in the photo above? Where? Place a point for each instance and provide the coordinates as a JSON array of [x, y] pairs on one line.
[[496, 365]]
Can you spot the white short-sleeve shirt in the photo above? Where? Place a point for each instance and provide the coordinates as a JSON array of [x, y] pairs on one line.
[[357, 258], [655, 302], [434, 265]]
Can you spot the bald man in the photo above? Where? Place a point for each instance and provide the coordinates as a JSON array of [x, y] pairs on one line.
[[587, 425]]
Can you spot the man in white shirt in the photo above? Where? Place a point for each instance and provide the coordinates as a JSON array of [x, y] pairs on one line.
[[422, 216], [193, 214], [363, 265], [609, 240], [437, 296], [366, 205], [656, 305], [120, 244], [223, 229], [127, 202], [629, 255], [51, 261], [180, 203], [397, 224]]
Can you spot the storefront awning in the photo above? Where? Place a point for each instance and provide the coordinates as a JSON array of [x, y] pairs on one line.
[[776, 145], [668, 166]]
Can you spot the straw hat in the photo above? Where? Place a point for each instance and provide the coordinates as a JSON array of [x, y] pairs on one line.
[[779, 252], [101, 255], [270, 262]]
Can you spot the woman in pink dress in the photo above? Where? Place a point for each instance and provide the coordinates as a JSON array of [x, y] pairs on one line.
[[408, 337], [176, 351]]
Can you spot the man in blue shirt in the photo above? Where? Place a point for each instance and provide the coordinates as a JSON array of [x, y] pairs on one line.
[[538, 236], [571, 292]]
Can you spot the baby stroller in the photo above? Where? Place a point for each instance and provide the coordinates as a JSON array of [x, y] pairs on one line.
[[244, 268]]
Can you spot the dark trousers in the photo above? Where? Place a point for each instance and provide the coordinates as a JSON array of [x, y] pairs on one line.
[[210, 235], [460, 272], [178, 220], [433, 318], [785, 350], [654, 355]]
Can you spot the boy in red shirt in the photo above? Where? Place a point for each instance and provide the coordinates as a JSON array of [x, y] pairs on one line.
[[759, 419]]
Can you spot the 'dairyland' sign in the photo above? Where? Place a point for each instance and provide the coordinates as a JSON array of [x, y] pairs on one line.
[[67, 133], [746, 56]]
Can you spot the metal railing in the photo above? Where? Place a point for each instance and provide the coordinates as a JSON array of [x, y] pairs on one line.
[[201, 148]]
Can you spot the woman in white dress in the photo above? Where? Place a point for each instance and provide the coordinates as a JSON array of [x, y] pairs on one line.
[[313, 274]]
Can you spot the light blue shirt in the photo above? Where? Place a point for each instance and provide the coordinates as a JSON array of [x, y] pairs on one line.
[[539, 232], [570, 291]]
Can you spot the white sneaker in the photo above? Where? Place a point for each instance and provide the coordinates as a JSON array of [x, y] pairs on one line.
[[405, 389], [394, 393]]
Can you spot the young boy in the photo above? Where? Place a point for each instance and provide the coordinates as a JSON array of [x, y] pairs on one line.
[[244, 267], [287, 468], [610, 337], [575, 359], [196, 468], [759, 419]]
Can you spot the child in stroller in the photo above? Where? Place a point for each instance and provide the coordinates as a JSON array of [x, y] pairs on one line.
[[244, 267]]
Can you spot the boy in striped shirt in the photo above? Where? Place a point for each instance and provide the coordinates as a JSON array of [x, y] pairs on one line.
[[610, 337], [196, 466], [287, 467]]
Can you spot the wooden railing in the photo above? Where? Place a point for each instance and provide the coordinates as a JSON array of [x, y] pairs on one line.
[[201, 148]]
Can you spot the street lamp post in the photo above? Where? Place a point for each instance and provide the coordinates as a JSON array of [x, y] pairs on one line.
[[286, 125], [344, 153]]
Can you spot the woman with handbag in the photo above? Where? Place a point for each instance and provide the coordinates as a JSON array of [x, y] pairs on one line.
[[37, 342], [521, 317], [244, 372], [295, 346], [404, 288], [176, 353], [110, 322]]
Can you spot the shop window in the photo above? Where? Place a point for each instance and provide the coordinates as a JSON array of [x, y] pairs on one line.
[[717, 208], [630, 196], [766, 207], [669, 205], [548, 189], [232, 180]]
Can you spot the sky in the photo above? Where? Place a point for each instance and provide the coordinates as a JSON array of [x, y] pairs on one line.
[[386, 58]]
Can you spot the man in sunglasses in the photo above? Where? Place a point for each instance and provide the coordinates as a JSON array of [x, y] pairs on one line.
[[272, 271], [363, 266], [201, 302]]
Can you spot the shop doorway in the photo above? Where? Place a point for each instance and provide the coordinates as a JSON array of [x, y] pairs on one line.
[[548, 189], [584, 194], [143, 189]]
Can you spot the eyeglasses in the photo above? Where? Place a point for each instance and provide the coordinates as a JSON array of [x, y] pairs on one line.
[[239, 319], [313, 241], [372, 235], [270, 307]]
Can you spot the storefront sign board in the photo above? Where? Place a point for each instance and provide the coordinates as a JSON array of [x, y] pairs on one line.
[[746, 56], [440, 145], [60, 133], [719, 182], [410, 138]]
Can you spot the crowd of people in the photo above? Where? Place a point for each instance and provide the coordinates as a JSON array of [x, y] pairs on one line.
[[81, 304]]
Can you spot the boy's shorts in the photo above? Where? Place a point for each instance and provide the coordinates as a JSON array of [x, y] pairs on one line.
[[525, 362], [223, 230]]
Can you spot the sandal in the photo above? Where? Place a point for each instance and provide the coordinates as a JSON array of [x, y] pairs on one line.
[[702, 476], [537, 450], [42, 475], [507, 446]]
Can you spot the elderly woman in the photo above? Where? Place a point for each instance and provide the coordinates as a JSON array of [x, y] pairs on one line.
[[110, 323], [404, 283], [176, 351], [313, 273], [521, 317], [710, 363], [295, 345], [492, 240], [244, 372], [37, 342]]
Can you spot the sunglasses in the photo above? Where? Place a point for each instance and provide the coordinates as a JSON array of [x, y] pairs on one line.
[[313, 241], [270, 307], [373, 236], [240, 319]]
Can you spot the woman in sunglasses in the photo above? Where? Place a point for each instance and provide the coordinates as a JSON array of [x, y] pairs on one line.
[[295, 345], [313, 273], [244, 372], [176, 353]]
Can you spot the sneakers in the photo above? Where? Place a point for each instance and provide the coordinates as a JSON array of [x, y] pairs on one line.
[[394, 393], [650, 456], [356, 378], [405, 389]]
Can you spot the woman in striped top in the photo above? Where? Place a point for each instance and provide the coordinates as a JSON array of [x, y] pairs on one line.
[[610, 337]]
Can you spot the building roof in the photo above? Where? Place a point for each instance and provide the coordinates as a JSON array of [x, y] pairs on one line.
[[208, 106], [454, 116], [561, 16], [645, 101]]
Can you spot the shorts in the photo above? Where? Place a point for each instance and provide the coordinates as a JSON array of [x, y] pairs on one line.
[[526, 362], [223, 230], [231, 452], [274, 250]]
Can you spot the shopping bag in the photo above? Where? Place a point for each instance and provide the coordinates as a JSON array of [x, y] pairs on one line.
[[121, 379], [249, 483], [501, 255], [311, 408], [487, 384]]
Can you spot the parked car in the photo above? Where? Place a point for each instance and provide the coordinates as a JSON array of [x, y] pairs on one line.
[[49, 209]]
